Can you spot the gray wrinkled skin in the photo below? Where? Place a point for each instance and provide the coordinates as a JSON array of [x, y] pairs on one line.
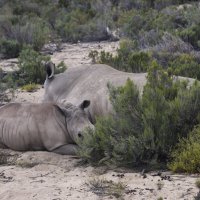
[[88, 82], [43, 126]]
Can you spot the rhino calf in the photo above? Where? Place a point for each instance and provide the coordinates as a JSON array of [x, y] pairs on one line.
[[44, 126]]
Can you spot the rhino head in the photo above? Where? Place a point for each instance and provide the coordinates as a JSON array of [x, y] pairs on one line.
[[76, 119]]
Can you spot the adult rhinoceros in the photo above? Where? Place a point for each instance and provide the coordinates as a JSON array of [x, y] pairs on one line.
[[87, 82], [44, 126], [90, 81]]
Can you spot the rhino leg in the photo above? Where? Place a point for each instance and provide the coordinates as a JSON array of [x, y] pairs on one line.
[[68, 149]]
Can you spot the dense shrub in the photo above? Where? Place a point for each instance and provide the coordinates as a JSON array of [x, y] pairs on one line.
[[80, 26], [170, 111], [192, 35], [142, 20], [31, 66], [23, 22], [9, 48], [32, 32], [146, 128], [172, 44], [115, 139], [7, 88], [186, 156], [186, 65]]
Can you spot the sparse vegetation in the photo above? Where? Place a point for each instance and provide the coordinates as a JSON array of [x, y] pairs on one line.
[[25, 164], [198, 183], [160, 185], [103, 187]]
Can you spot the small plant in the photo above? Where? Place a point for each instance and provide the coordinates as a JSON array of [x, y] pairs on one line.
[[197, 197], [103, 187], [160, 185], [160, 198], [60, 68], [25, 164], [7, 88], [32, 87], [94, 56], [198, 183]]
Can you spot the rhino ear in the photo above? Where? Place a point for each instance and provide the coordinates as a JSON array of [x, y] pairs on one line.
[[84, 104], [50, 69]]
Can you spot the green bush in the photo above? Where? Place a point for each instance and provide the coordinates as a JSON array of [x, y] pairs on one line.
[[138, 62], [7, 88], [145, 129], [9, 48], [127, 58], [78, 25], [34, 32], [135, 62], [60, 68], [115, 140], [186, 156], [31, 66], [93, 55], [30, 87], [185, 65], [192, 35], [88, 20], [170, 111]]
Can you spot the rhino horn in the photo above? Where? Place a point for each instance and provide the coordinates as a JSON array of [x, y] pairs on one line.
[[50, 69], [84, 104]]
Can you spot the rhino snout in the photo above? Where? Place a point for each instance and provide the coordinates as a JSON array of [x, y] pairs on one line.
[[89, 128]]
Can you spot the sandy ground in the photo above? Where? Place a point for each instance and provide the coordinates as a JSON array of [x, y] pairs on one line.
[[48, 176], [72, 54]]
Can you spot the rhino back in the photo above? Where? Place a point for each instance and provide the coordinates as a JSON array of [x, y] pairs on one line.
[[31, 127]]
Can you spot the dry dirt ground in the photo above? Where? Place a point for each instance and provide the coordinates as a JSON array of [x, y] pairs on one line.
[[48, 176]]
